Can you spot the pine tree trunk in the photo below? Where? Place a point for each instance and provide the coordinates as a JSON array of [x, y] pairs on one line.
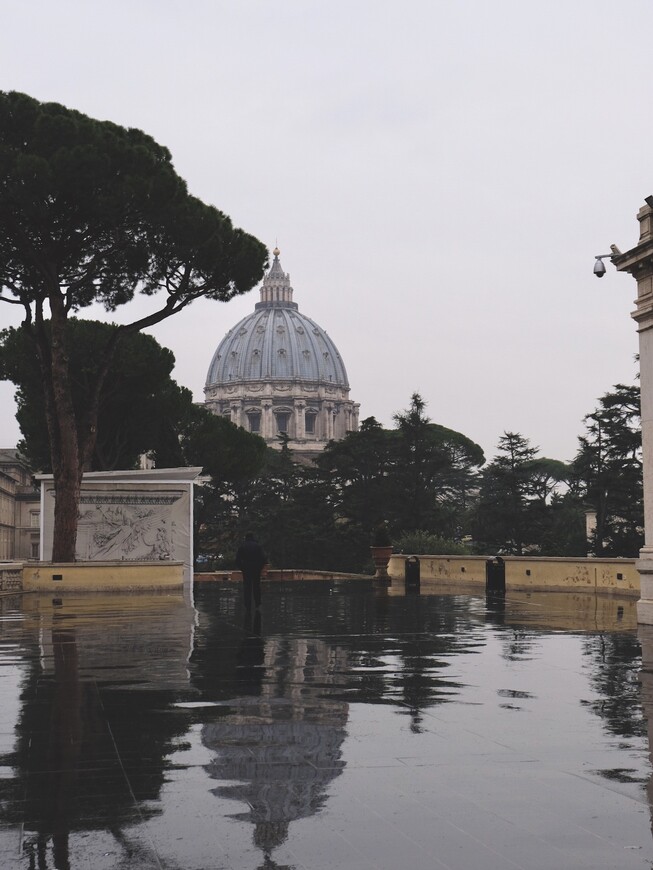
[[66, 465], [72, 441]]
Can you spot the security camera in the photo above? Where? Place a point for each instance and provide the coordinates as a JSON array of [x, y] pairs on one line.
[[599, 268]]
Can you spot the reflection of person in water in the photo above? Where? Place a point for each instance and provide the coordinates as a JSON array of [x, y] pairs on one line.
[[250, 657]]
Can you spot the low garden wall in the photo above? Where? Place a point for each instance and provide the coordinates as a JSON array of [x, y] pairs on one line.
[[102, 576], [278, 574], [542, 573]]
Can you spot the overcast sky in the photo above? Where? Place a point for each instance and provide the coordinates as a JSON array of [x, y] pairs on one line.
[[438, 177]]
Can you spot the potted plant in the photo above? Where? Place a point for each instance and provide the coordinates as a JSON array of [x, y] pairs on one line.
[[381, 547]]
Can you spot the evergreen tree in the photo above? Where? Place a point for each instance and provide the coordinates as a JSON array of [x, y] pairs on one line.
[[609, 470], [355, 473], [506, 487], [433, 472], [518, 490], [140, 408]]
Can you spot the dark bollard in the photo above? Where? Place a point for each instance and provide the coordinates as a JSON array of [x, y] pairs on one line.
[[495, 575], [411, 574]]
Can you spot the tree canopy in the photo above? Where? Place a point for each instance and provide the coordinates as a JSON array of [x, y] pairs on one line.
[[428, 484], [141, 409], [608, 469], [513, 510], [93, 212]]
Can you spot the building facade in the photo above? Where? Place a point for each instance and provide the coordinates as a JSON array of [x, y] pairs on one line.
[[638, 262], [277, 373], [19, 509]]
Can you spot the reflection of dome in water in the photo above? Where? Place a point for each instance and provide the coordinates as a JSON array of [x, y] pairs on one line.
[[269, 835], [277, 755], [277, 372]]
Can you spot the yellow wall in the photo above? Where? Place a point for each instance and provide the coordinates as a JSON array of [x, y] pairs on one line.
[[103, 576], [564, 574], [550, 611], [576, 611], [446, 569], [545, 573]]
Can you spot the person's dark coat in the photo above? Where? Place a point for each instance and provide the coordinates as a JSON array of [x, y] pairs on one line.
[[250, 557], [251, 560]]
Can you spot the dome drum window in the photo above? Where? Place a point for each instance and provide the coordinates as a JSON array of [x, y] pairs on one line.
[[254, 421], [283, 422], [309, 422]]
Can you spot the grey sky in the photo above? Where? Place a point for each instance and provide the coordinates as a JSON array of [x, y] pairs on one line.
[[438, 176]]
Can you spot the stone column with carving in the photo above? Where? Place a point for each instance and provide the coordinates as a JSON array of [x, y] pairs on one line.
[[639, 263]]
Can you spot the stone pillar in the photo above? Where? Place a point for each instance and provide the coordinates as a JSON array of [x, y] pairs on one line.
[[329, 422], [639, 263], [266, 420], [300, 432], [338, 431]]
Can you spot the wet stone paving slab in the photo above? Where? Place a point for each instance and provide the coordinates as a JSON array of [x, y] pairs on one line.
[[348, 726]]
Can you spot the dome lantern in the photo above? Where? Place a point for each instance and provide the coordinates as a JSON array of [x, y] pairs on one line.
[[276, 289]]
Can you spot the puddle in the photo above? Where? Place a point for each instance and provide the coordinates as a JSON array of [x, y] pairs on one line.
[[349, 727]]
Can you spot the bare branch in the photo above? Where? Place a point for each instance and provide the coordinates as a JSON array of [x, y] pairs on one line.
[[168, 310]]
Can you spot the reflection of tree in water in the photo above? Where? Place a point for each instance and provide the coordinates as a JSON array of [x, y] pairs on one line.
[[396, 651], [74, 773], [519, 645], [614, 661]]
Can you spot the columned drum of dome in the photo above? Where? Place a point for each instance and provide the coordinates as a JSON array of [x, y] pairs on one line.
[[278, 372]]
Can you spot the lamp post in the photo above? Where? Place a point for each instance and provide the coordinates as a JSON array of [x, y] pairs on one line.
[[638, 262]]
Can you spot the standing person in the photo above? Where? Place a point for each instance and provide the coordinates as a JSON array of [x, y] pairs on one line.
[[251, 560]]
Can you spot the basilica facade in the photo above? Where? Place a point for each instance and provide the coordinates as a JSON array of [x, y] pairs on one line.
[[278, 373]]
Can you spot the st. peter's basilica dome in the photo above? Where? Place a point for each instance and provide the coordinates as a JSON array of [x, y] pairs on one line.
[[278, 372]]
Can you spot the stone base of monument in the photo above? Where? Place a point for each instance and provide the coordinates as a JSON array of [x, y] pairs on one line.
[[645, 604], [102, 576]]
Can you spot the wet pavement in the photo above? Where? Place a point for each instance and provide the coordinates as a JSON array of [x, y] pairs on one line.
[[351, 727]]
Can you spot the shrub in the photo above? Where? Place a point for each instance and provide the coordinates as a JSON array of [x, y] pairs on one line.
[[420, 543]]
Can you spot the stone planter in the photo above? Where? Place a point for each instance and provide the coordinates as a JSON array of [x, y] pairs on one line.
[[381, 557]]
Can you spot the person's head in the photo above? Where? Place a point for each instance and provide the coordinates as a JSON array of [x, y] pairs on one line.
[[250, 536]]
